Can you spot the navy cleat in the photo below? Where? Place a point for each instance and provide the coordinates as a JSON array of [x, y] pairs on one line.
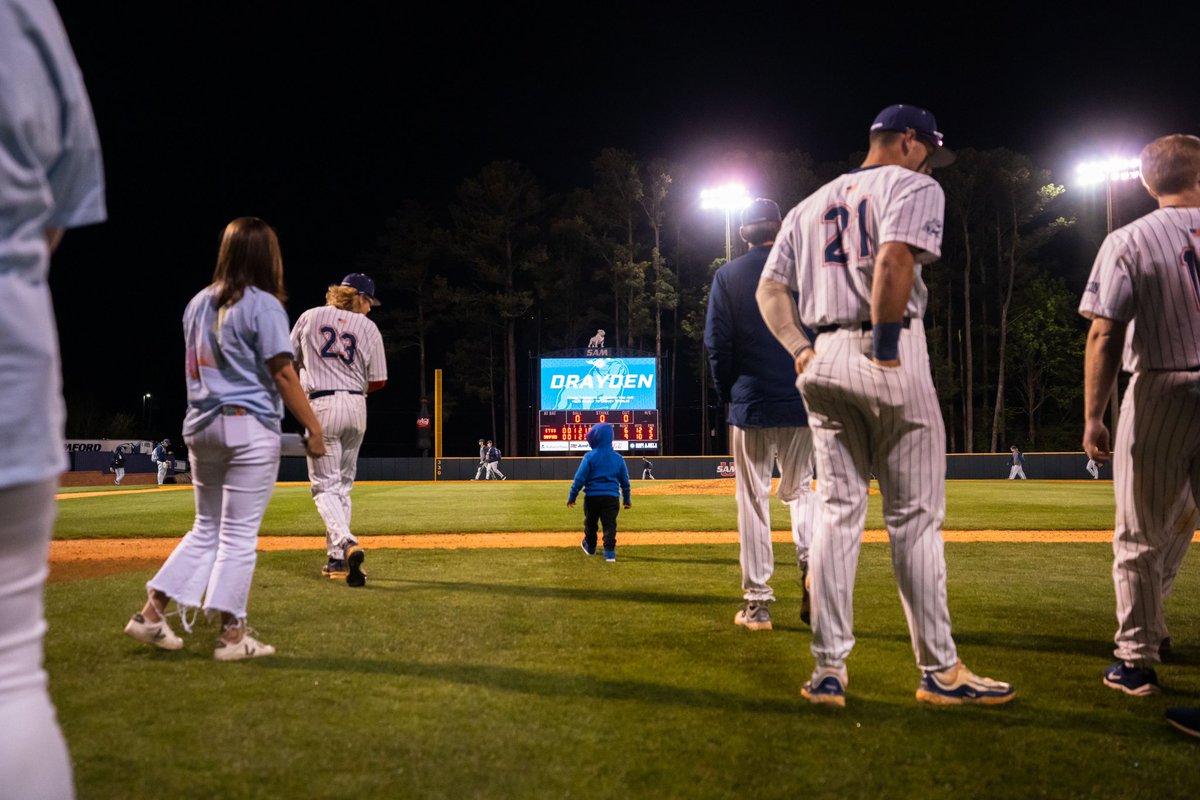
[[827, 686], [354, 560], [335, 569], [610, 556], [590, 549], [958, 686], [1137, 681]]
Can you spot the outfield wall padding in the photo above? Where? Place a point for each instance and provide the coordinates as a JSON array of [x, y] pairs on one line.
[[1038, 466]]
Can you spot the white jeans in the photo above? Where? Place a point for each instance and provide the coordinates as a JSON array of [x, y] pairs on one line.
[[235, 461], [33, 755], [755, 451]]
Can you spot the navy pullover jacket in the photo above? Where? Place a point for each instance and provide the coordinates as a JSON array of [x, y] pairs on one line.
[[602, 472], [751, 370]]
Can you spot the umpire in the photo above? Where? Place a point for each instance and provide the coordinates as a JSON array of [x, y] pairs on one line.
[[755, 376]]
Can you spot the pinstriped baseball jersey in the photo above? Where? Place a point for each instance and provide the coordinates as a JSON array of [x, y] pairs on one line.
[[337, 349], [1146, 274], [832, 271]]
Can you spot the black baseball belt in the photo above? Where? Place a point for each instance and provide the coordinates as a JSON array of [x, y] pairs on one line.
[[865, 326], [327, 392]]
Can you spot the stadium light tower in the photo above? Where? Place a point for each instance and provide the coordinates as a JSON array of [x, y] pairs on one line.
[[1111, 171], [728, 198]]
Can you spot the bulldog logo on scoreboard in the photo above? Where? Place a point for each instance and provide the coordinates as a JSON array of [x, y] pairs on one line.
[[596, 344]]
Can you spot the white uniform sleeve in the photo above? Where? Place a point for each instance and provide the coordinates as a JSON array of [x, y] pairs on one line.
[[915, 216], [297, 338], [781, 261], [1109, 291], [376, 358]]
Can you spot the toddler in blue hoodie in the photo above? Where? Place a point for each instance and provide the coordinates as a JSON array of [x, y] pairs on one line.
[[604, 478]]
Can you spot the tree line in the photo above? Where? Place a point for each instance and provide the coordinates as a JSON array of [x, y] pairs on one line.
[[510, 269]]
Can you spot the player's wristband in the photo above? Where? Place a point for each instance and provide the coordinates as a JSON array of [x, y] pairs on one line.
[[801, 349], [885, 340]]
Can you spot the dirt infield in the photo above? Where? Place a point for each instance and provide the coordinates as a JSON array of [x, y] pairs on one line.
[[93, 558]]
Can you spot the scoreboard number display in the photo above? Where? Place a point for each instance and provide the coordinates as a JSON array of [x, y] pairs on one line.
[[579, 393]]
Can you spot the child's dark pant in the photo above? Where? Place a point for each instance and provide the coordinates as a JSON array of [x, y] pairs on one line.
[[602, 510]]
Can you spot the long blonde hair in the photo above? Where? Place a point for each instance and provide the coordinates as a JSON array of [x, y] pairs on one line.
[[341, 297]]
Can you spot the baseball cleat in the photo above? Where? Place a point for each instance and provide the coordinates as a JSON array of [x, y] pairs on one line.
[[335, 569], [158, 633], [590, 549], [248, 647], [827, 686], [354, 559], [1137, 681], [959, 686], [1185, 719], [753, 616]]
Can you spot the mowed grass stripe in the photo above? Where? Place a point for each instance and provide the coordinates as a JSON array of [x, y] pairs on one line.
[[511, 506]]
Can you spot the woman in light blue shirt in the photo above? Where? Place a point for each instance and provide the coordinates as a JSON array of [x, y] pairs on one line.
[[239, 377]]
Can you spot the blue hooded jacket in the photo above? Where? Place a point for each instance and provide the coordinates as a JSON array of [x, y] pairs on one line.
[[602, 472]]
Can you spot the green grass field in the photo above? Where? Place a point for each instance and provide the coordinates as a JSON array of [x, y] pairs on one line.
[[417, 508], [544, 673]]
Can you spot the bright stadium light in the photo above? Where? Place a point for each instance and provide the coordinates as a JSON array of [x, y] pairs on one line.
[[1113, 170], [728, 198]]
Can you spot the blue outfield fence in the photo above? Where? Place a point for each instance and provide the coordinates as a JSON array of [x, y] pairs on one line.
[[976, 466]]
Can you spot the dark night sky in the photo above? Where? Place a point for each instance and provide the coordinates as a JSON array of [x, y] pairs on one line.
[[321, 118]]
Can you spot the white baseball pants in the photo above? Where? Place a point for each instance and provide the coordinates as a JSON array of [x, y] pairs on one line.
[[162, 472], [235, 461], [755, 451], [1156, 479], [120, 473], [343, 418], [1016, 472], [493, 471], [33, 754], [863, 417]]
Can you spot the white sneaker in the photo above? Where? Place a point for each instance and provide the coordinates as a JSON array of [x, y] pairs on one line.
[[248, 647], [158, 633]]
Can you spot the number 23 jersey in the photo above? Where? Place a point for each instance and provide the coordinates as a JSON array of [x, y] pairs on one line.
[[337, 349]]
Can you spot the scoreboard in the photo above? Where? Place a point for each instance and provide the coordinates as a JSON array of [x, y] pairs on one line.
[[568, 430], [579, 392]]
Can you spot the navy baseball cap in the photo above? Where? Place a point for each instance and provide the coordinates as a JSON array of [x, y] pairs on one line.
[[364, 285], [761, 210], [902, 117]]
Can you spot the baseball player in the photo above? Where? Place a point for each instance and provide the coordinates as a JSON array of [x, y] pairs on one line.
[[493, 462], [1143, 297], [853, 252], [1017, 461], [1093, 469], [117, 465], [755, 377], [51, 178], [162, 457], [647, 469], [482, 471], [340, 355]]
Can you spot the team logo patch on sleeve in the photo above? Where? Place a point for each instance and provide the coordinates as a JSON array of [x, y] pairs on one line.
[[1093, 287], [932, 227]]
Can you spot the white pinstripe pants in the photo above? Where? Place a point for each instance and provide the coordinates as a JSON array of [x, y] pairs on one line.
[[865, 417], [343, 419], [755, 451], [1156, 479]]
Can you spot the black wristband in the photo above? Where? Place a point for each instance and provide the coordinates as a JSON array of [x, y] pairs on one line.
[[885, 340]]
